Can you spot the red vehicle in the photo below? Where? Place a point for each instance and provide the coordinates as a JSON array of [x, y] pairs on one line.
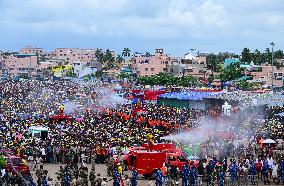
[[147, 160], [146, 163], [179, 160], [18, 166], [163, 147]]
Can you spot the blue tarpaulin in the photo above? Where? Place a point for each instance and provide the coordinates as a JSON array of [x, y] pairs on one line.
[[190, 95]]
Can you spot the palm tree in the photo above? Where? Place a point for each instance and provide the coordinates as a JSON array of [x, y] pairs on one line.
[[256, 56], [147, 54], [211, 61], [99, 55], [119, 58], [126, 52]]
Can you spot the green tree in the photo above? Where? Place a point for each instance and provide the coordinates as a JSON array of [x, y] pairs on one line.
[[211, 61], [147, 54], [245, 85], [257, 57], [99, 55], [246, 56], [278, 54], [267, 56], [232, 72], [119, 59], [168, 79], [126, 52]]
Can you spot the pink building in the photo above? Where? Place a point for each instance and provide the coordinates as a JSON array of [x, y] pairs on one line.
[[264, 73], [71, 55], [20, 64], [151, 65], [191, 65], [31, 50]]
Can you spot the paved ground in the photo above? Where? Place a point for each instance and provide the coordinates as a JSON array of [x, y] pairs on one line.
[[100, 168]]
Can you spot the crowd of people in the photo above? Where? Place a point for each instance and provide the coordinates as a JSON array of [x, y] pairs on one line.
[[102, 126]]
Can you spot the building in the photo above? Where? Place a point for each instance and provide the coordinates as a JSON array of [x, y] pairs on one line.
[[263, 73], [151, 65], [70, 55], [21, 64], [31, 50], [229, 61], [190, 65]]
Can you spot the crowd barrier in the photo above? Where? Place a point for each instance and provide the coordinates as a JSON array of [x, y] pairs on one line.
[[247, 180]]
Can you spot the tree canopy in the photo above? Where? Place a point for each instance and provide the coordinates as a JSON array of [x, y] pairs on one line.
[[168, 79]]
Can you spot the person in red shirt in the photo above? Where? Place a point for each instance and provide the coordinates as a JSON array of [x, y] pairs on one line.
[[258, 168]]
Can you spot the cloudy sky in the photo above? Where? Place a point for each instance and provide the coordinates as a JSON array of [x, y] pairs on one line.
[[143, 25]]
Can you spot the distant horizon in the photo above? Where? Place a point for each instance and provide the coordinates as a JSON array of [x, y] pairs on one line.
[[142, 52], [176, 26]]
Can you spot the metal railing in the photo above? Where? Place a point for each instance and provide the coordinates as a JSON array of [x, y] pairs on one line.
[[247, 180]]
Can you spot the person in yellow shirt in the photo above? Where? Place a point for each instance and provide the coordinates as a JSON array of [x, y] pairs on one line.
[[119, 169]]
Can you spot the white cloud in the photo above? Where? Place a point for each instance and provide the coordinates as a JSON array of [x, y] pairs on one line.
[[186, 20]]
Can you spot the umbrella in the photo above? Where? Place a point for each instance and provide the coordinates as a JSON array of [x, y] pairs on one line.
[[268, 141]]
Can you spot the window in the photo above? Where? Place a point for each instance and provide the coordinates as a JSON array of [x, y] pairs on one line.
[[64, 54], [73, 55], [166, 62], [152, 69], [165, 69], [146, 69], [60, 51], [182, 159], [171, 158]]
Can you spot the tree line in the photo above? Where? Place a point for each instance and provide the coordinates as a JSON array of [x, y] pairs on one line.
[[168, 79]]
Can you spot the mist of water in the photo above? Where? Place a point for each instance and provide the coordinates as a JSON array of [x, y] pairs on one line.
[[235, 129]]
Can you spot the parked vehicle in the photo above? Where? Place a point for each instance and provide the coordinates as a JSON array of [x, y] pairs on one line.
[[16, 165]]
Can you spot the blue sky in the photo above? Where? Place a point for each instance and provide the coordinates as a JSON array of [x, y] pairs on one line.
[[143, 25]]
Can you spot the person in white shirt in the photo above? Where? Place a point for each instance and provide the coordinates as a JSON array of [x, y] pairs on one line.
[[43, 154], [275, 173], [3, 172], [270, 163]]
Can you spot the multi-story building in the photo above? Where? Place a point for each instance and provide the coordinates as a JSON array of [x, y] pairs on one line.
[[190, 65], [71, 55], [31, 50], [264, 74], [21, 64], [150, 65]]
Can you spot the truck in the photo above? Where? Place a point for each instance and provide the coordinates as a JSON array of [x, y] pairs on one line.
[[146, 163]]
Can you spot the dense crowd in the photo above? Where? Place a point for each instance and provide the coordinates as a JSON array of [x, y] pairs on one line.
[[102, 127]]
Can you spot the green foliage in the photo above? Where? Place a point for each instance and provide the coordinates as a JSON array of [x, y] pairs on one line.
[[126, 52], [245, 85], [167, 79], [2, 162], [246, 56], [232, 72], [119, 59], [71, 74], [124, 75], [215, 62], [99, 74], [106, 58]]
